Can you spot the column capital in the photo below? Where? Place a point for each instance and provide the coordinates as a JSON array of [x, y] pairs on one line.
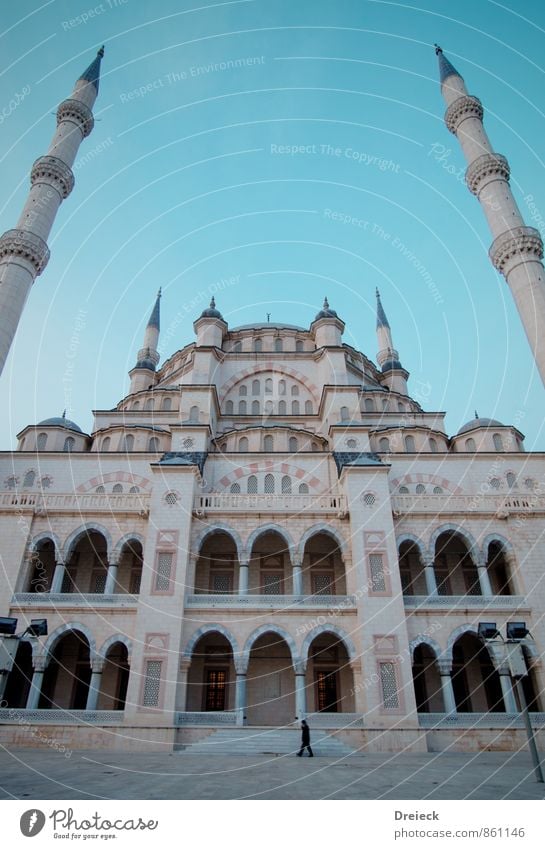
[[299, 667], [39, 662], [185, 663], [444, 664], [241, 665], [97, 665]]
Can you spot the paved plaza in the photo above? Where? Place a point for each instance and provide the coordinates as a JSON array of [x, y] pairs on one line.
[[38, 774]]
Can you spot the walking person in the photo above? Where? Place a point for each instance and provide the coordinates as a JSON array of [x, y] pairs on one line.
[[305, 740]]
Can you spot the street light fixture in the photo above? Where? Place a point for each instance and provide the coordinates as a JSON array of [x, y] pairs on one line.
[[8, 625], [488, 630], [517, 631], [37, 628]]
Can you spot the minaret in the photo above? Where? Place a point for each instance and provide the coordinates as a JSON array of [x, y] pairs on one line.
[[517, 250], [395, 376], [23, 251], [143, 374]]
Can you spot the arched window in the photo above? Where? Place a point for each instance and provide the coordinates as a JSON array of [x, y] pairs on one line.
[[167, 404], [105, 444], [308, 408], [286, 485], [243, 443], [403, 490], [258, 346], [281, 387], [149, 404], [303, 489], [242, 408], [11, 482], [269, 408], [369, 405], [194, 414], [134, 490], [69, 443], [136, 405], [295, 408], [409, 443], [351, 444], [235, 488], [433, 445], [252, 485], [255, 408], [243, 389], [511, 479], [268, 443], [420, 489], [29, 479], [495, 483], [100, 490], [437, 490], [294, 390], [153, 444], [385, 404], [384, 444], [229, 409], [345, 414], [498, 442], [268, 386], [128, 442], [299, 345], [293, 444], [45, 482], [256, 387], [470, 444], [282, 408], [269, 484], [117, 488], [278, 347], [400, 407], [41, 442]]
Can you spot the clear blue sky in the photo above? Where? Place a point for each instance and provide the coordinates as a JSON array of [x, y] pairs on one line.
[[179, 186]]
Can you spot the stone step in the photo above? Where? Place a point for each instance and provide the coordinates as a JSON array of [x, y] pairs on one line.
[[256, 741]]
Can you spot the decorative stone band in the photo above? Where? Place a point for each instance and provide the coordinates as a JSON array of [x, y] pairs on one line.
[[462, 108], [208, 717], [481, 720], [60, 717], [520, 244], [489, 165], [54, 172], [78, 113], [25, 245]]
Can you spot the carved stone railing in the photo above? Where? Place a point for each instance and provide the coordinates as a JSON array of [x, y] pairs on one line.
[[60, 717], [226, 502], [463, 602], [335, 720], [26, 246], [108, 502], [202, 602], [481, 720], [496, 505], [80, 600], [206, 717]]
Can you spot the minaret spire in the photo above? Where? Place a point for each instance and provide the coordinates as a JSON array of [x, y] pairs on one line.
[[516, 250], [395, 376], [148, 355], [23, 251]]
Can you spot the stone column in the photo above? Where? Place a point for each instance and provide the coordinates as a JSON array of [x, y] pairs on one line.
[[97, 667], [33, 698], [111, 579], [300, 691], [484, 579], [297, 579], [358, 688], [243, 571], [58, 577], [429, 575], [240, 695], [507, 689], [185, 664], [445, 671]]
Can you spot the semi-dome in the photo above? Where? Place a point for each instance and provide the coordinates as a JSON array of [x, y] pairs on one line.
[[479, 422], [212, 312], [60, 421], [326, 312]]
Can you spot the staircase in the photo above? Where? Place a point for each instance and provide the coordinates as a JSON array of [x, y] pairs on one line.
[[257, 740]]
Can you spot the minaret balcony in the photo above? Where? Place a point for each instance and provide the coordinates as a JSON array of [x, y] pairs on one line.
[[24, 245]]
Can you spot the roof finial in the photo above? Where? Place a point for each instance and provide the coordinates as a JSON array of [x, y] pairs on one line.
[[446, 68], [212, 303], [92, 73], [476, 414], [154, 319], [63, 414], [382, 321], [326, 303], [438, 49]]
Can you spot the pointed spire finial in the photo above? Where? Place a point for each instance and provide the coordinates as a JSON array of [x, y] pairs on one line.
[[476, 414], [212, 303], [63, 414], [92, 73], [446, 68], [382, 321], [154, 319], [326, 303]]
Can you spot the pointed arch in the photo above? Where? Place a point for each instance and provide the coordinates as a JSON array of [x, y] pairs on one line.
[[89, 527], [68, 627], [118, 550], [321, 528], [269, 629], [219, 529], [328, 629], [269, 528], [208, 629], [111, 641]]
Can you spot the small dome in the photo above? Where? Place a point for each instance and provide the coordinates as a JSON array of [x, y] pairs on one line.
[[326, 312], [60, 421], [212, 312], [391, 364], [479, 422]]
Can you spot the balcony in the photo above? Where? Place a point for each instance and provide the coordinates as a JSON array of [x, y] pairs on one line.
[[478, 720], [499, 506], [41, 504], [498, 603], [225, 502], [271, 602], [77, 601]]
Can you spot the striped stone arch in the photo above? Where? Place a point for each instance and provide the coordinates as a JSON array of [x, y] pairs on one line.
[[321, 528], [111, 641], [269, 366], [88, 527], [270, 527], [268, 466], [496, 653], [209, 628], [328, 629], [116, 554], [62, 630], [42, 537], [417, 542], [423, 639], [266, 629], [505, 543], [115, 477], [436, 480], [217, 528], [463, 533]]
